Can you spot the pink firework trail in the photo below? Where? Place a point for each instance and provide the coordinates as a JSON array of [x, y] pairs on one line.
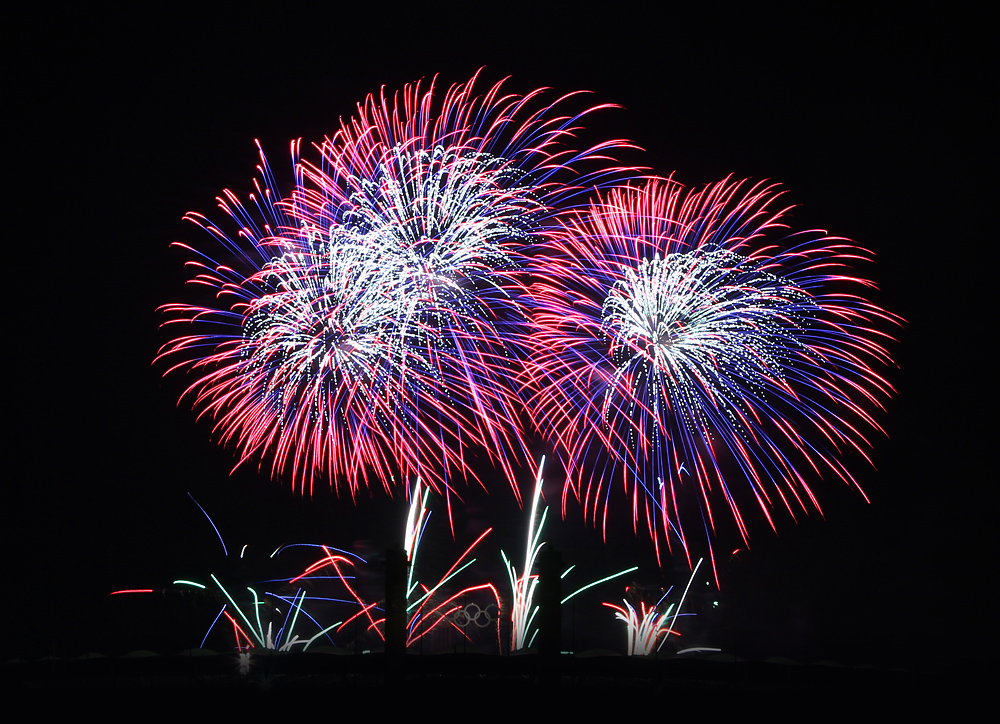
[[680, 359], [366, 325], [428, 608]]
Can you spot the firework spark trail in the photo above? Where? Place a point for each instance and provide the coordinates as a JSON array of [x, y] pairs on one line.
[[237, 609], [672, 345], [426, 612], [428, 607], [365, 325], [523, 586], [335, 562], [650, 632]]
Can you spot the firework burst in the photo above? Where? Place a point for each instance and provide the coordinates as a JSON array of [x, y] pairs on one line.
[[364, 325], [676, 352]]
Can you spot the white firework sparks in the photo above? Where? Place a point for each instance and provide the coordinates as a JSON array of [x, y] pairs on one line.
[[701, 324]]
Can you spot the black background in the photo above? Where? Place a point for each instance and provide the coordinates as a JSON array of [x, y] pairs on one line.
[[875, 121]]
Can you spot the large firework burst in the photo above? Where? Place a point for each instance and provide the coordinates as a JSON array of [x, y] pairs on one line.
[[363, 324], [677, 356]]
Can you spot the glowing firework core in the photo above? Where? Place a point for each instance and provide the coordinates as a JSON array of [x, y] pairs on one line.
[[693, 324]]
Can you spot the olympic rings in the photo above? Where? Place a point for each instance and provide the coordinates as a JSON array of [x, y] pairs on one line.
[[473, 613]]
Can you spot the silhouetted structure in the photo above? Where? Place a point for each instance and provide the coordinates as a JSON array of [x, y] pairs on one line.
[[549, 616], [395, 612]]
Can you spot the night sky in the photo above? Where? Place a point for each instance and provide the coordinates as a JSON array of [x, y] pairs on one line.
[[874, 122]]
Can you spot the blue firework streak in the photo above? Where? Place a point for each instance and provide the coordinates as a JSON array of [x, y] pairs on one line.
[[677, 354], [366, 324]]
